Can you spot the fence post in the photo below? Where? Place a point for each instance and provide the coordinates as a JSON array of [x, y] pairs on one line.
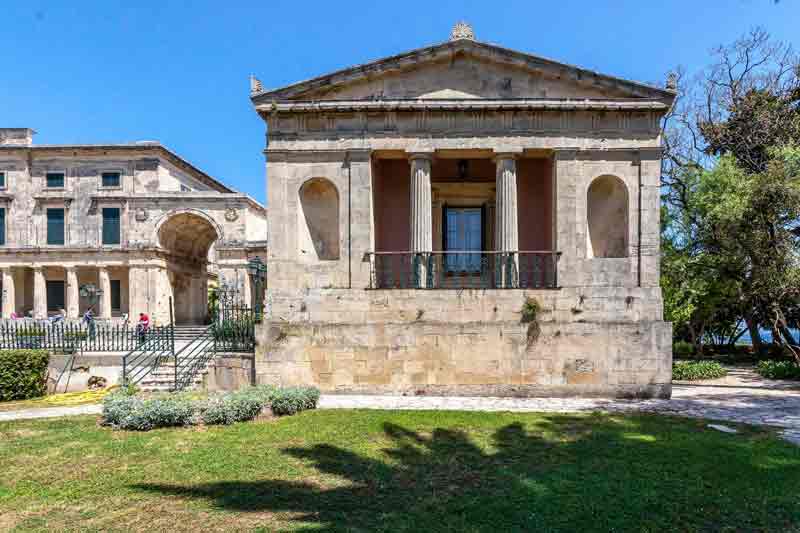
[[172, 346]]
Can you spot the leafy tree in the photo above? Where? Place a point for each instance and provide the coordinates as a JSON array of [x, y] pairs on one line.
[[730, 192]]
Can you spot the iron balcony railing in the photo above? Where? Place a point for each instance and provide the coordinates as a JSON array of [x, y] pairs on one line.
[[463, 270], [70, 337]]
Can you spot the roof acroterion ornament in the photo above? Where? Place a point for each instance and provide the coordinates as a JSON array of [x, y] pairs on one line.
[[255, 85], [462, 30]]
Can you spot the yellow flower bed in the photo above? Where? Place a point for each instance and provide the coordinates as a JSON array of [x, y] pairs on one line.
[[64, 399]]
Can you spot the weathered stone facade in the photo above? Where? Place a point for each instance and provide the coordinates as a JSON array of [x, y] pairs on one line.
[[175, 228], [548, 162]]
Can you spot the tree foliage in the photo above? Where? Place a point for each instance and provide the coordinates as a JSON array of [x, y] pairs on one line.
[[731, 192]]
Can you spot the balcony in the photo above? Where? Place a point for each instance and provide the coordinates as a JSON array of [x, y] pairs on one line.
[[463, 270]]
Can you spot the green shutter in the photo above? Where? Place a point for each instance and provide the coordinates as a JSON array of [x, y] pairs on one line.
[[116, 295], [111, 179], [2, 226], [2, 180], [111, 227], [55, 179], [55, 295], [55, 226]]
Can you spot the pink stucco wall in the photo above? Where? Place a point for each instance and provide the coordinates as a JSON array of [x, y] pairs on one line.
[[392, 197], [535, 204], [391, 184]]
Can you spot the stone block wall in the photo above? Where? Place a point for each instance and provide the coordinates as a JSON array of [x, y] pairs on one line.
[[611, 342]]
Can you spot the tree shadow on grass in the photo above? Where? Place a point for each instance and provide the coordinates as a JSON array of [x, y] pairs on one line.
[[559, 474]]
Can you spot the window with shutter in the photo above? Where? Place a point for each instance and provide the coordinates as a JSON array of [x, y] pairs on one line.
[[111, 227], [116, 295], [55, 180], [55, 295], [111, 179], [2, 226], [55, 226]]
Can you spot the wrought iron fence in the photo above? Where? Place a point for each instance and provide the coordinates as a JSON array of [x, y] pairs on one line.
[[71, 337], [463, 270], [233, 322]]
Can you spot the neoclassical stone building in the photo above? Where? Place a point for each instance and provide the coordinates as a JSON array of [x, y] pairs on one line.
[[465, 219], [135, 220]]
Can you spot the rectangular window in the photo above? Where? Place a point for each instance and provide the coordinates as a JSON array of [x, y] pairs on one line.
[[2, 226], [55, 180], [2, 180], [55, 226], [116, 295], [55, 295], [111, 226], [111, 179], [463, 233]]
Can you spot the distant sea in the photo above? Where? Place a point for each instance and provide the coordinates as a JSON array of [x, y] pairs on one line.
[[766, 336]]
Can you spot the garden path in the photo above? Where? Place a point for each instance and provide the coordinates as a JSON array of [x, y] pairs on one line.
[[742, 396]]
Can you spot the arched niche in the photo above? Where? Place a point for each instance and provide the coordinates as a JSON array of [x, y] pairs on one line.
[[607, 217], [319, 220]]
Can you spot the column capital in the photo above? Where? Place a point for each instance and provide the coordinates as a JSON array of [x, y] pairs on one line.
[[565, 153], [421, 154], [507, 153]]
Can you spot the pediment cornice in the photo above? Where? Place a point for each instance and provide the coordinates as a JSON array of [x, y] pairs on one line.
[[448, 51]]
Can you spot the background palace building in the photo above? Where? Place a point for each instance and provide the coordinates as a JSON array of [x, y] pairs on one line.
[[135, 220]]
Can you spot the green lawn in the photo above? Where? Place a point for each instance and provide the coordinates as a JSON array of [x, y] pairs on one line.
[[400, 471]]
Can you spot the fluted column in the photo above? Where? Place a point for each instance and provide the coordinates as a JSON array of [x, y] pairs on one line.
[[72, 292], [39, 293], [421, 220], [9, 292], [105, 295], [506, 223]]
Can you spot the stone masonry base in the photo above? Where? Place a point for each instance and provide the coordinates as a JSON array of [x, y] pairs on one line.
[[487, 358]]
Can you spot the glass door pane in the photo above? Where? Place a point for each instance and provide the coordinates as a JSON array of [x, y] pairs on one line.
[[464, 234]]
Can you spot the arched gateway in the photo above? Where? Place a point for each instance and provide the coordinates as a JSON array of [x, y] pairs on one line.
[[188, 237]]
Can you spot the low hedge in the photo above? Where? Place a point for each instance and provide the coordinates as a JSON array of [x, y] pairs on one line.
[[778, 369], [124, 410], [696, 370], [23, 374], [293, 400]]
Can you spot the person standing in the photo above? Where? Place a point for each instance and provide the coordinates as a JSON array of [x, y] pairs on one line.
[[88, 319]]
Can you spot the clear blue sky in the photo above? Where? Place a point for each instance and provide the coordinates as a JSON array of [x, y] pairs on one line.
[[177, 72]]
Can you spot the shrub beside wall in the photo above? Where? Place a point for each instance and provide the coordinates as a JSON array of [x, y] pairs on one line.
[[124, 410], [23, 374], [694, 370], [778, 369]]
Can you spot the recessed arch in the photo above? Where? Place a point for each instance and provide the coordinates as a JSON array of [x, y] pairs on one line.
[[607, 217], [319, 220], [188, 236], [188, 233]]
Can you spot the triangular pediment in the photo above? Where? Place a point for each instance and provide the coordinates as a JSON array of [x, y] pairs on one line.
[[462, 69]]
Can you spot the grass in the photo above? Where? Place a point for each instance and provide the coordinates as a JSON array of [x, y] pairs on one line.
[[66, 399], [334, 470]]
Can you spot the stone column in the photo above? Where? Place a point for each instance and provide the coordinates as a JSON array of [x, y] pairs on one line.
[[247, 287], [137, 292], [39, 293], [506, 224], [105, 296], [421, 224], [72, 296], [9, 292]]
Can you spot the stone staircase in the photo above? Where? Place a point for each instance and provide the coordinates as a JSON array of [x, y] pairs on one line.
[[189, 341]]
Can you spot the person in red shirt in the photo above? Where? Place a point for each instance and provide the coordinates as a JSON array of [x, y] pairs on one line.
[[142, 326]]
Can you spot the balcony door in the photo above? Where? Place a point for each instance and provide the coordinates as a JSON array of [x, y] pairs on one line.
[[463, 232]]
